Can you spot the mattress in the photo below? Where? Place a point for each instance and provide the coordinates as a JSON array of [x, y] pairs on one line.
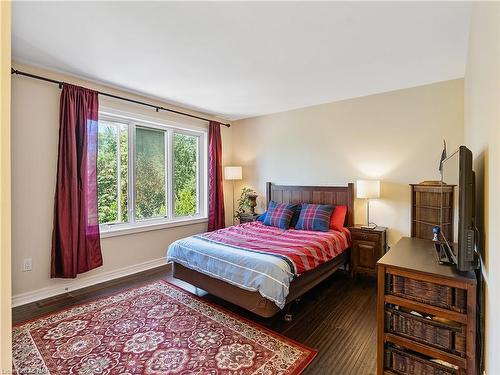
[[255, 257]]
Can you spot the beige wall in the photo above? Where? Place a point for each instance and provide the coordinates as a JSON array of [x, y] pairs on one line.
[[5, 250], [482, 136], [396, 137], [35, 112]]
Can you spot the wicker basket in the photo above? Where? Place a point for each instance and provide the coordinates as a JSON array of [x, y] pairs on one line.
[[427, 292], [442, 336], [403, 362]]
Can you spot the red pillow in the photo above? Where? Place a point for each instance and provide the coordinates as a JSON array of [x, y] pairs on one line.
[[337, 219]]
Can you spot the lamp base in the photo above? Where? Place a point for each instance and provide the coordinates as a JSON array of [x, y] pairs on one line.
[[370, 225]]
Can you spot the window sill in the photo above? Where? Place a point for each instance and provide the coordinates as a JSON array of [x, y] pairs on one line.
[[146, 227]]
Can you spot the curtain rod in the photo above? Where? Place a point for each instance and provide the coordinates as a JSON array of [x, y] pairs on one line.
[[156, 107]]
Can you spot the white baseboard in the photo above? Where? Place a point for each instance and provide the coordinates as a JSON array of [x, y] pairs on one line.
[[74, 284]]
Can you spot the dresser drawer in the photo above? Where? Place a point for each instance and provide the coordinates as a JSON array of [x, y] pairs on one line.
[[409, 363], [426, 292], [442, 336]]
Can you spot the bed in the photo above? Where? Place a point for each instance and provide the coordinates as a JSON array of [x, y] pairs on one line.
[[209, 271]]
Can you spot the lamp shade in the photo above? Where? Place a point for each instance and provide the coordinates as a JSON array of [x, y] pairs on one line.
[[368, 188], [233, 173]]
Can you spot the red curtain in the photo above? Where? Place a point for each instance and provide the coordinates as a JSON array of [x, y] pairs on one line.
[[76, 244], [216, 218]]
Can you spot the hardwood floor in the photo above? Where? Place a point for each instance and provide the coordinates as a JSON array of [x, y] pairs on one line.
[[338, 318]]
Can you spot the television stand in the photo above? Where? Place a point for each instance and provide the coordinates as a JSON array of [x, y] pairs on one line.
[[425, 311], [443, 253]]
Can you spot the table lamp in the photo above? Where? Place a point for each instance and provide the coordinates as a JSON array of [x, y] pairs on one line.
[[368, 189]]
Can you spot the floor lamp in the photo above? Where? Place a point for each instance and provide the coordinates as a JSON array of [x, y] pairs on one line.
[[233, 173], [368, 189]]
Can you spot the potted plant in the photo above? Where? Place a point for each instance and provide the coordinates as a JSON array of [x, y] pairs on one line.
[[247, 200]]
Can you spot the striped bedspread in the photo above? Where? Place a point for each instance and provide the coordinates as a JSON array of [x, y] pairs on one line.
[[259, 258], [303, 250]]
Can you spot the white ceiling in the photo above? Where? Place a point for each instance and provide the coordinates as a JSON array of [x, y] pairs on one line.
[[239, 60]]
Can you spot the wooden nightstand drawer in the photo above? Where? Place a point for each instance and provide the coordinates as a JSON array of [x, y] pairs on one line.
[[364, 236]]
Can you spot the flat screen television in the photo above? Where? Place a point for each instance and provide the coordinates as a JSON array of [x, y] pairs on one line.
[[457, 170]]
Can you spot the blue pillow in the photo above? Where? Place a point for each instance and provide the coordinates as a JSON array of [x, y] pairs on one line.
[[279, 214], [293, 222], [295, 217], [262, 217], [315, 217]]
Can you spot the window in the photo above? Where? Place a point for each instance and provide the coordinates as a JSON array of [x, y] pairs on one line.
[[185, 174], [148, 173], [112, 157], [150, 182]]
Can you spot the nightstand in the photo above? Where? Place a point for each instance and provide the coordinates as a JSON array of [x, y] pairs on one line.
[[368, 246], [247, 217]]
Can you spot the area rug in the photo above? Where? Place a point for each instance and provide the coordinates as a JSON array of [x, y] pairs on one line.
[[154, 329]]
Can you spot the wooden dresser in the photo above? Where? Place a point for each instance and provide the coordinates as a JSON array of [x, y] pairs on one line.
[[431, 205], [425, 312]]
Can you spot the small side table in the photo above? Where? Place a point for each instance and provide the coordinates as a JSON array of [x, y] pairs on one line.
[[248, 217], [368, 246]]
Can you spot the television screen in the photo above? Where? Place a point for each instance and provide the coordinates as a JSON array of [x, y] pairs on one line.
[[457, 170], [451, 172]]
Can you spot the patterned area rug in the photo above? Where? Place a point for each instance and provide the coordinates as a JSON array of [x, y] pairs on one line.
[[154, 329]]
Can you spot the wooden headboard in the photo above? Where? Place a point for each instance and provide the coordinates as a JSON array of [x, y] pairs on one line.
[[334, 195]]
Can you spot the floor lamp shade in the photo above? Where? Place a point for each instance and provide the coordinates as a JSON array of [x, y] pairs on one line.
[[233, 173]]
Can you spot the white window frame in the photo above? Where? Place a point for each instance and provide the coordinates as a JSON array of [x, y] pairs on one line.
[[170, 220]]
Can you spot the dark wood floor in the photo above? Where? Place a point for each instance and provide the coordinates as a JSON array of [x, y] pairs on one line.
[[338, 318]]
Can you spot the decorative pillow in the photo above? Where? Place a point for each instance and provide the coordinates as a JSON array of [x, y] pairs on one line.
[[295, 217], [279, 214], [338, 217], [315, 217], [293, 222]]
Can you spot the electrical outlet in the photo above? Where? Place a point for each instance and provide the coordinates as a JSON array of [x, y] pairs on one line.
[[27, 264]]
